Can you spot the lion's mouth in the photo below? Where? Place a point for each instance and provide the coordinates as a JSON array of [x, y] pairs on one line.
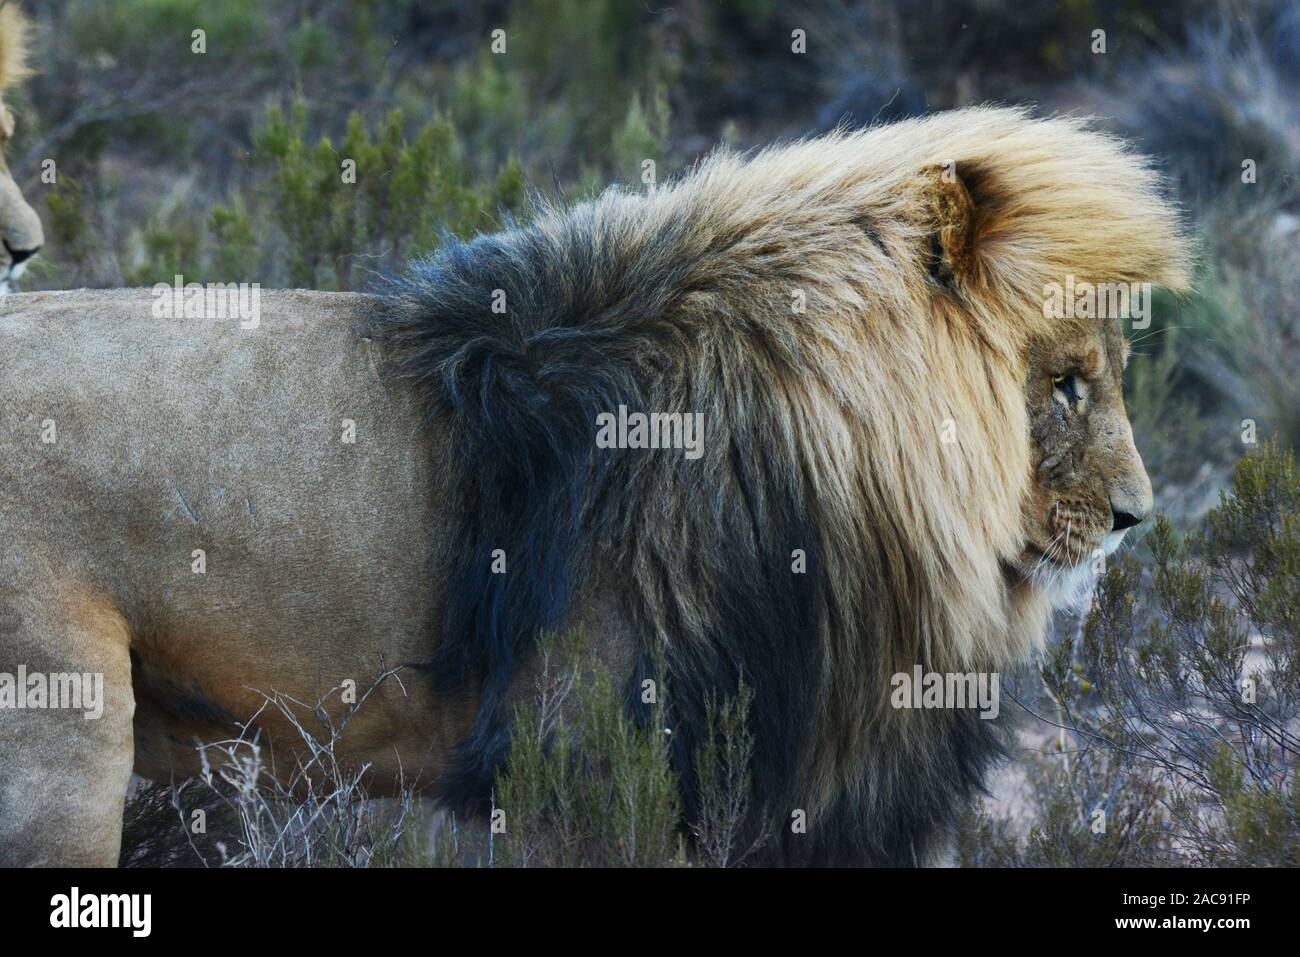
[[1070, 537], [10, 276], [1065, 553], [1057, 554]]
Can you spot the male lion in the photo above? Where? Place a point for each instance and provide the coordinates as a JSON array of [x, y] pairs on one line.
[[20, 228], [904, 462]]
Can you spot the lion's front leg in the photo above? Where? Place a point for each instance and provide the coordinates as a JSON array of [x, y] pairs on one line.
[[65, 734]]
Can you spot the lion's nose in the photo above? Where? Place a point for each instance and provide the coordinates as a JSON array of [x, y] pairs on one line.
[[1123, 520]]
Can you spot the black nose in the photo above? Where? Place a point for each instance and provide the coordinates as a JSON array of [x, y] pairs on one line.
[[20, 255], [1123, 520]]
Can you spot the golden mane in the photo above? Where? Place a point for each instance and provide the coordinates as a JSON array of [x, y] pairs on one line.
[[14, 30]]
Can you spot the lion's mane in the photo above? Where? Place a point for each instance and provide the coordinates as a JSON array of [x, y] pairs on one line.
[[850, 314], [13, 45]]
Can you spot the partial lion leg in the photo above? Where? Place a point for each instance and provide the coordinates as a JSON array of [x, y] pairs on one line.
[[63, 771]]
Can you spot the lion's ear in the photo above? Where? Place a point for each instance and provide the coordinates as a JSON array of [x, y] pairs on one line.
[[949, 214]]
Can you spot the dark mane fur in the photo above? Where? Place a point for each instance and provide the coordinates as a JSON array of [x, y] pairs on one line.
[[590, 324]]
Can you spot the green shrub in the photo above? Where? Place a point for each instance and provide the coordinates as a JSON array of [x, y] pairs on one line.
[[309, 218], [587, 785], [584, 785], [1178, 707]]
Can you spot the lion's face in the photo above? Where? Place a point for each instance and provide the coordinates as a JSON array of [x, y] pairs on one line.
[[20, 228], [1088, 485]]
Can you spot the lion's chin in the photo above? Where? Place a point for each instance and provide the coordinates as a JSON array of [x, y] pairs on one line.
[[1070, 587], [1066, 587]]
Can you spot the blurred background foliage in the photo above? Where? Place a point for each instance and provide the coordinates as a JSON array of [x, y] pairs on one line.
[[228, 165]]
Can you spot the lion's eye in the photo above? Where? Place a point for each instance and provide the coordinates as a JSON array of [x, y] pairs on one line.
[[1067, 385]]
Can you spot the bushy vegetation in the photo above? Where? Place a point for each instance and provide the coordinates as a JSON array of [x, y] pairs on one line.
[[326, 215], [584, 785], [247, 810], [1177, 706]]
